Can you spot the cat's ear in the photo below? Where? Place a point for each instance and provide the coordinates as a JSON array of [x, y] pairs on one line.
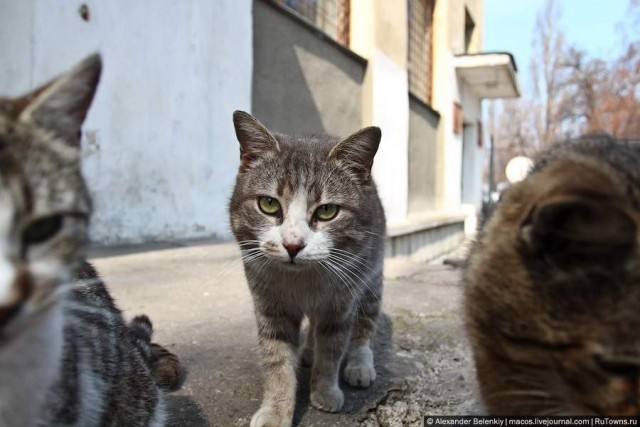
[[358, 150], [62, 104], [255, 140], [581, 227]]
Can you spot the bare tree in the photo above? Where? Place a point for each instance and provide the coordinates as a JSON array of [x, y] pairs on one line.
[[579, 102], [620, 94], [571, 93], [547, 79], [604, 96]]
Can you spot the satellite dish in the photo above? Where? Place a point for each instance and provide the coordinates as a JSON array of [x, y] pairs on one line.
[[518, 168]]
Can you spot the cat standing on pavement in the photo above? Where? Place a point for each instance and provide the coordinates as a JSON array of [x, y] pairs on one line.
[[67, 358], [553, 286], [310, 225]]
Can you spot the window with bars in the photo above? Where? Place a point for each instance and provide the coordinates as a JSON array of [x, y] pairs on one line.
[[331, 16], [420, 16]]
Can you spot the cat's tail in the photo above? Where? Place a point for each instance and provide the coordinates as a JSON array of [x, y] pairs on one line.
[[166, 367]]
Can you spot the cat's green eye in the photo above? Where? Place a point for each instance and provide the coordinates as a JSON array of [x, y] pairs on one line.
[[42, 229], [268, 205], [326, 212]]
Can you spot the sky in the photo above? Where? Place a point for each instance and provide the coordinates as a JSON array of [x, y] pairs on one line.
[[592, 25]]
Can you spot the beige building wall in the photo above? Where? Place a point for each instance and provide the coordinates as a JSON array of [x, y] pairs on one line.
[[448, 41], [379, 34]]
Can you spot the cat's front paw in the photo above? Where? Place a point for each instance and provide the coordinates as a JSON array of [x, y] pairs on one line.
[[361, 374], [328, 400], [268, 417]]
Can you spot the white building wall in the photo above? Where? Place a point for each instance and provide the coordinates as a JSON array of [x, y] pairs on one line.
[[474, 168], [452, 142], [473, 160], [391, 114], [160, 153], [379, 34]]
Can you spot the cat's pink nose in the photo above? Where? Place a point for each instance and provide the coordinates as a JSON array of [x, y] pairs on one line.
[[293, 248]]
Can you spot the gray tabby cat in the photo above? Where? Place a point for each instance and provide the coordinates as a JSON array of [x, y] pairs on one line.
[[310, 225], [67, 358]]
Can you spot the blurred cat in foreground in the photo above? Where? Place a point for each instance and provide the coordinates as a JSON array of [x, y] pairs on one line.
[[553, 286]]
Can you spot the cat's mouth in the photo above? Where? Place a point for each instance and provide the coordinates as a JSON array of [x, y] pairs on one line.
[[296, 264]]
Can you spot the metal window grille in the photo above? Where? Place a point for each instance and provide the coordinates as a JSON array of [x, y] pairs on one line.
[[331, 16], [420, 48]]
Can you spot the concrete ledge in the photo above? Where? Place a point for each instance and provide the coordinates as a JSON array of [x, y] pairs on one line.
[[422, 238], [422, 222]]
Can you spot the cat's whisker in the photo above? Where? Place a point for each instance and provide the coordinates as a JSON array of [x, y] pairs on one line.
[[349, 262], [374, 234], [351, 274], [341, 276], [343, 267], [250, 252], [343, 258], [347, 270], [261, 267], [354, 261], [354, 257], [248, 257], [249, 243], [351, 254], [245, 256], [252, 257], [347, 282], [232, 265]]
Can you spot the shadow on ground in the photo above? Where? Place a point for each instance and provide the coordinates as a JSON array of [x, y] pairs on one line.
[[184, 411], [357, 401]]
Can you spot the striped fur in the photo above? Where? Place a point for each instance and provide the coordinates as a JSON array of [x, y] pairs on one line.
[[105, 378], [67, 357], [299, 265]]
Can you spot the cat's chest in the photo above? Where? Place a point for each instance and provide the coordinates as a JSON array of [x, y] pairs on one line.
[[307, 290]]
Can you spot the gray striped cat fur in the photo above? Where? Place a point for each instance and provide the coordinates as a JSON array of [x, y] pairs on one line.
[[335, 279], [67, 357]]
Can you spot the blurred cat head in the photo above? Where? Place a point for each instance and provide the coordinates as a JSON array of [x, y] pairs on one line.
[[298, 199], [553, 294], [44, 204]]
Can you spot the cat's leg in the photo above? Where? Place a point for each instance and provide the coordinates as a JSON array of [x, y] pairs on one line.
[[278, 335], [332, 333], [306, 355], [359, 370]]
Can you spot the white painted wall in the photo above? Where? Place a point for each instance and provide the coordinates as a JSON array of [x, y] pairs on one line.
[[473, 161], [452, 147], [391, 114], [160, 151], [473, 165]]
